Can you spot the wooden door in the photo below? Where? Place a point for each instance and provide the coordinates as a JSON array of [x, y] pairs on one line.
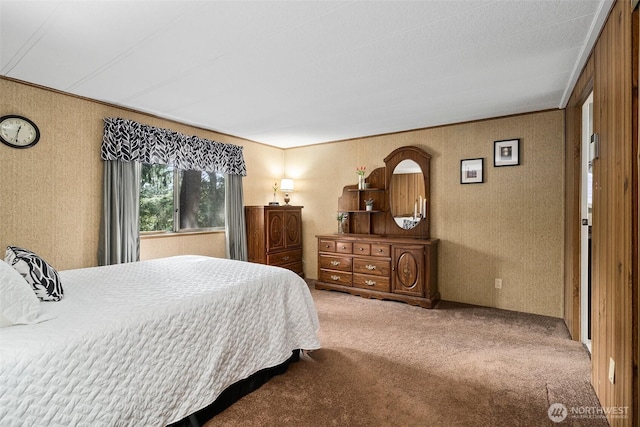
[[275, 230], [292, 229], [408, 270]]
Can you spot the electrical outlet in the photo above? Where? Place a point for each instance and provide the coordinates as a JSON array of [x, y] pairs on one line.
[[612, 370], [498, 283]]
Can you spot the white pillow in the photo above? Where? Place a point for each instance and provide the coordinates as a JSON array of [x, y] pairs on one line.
[[18, 303]]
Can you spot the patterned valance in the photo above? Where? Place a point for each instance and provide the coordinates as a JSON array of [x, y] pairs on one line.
[[127, 141]]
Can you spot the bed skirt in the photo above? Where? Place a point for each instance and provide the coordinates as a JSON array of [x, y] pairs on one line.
[[235, 392]]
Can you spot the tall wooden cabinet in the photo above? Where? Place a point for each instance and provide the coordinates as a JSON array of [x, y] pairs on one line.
[[274, 236]]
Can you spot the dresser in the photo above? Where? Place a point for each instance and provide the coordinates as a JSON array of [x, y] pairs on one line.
[[394, 268], [384, 249], [274, 236]]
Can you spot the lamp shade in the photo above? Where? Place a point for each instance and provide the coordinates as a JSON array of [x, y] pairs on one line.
[[286, 185]]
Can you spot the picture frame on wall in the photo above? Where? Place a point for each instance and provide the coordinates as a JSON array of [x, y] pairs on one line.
[[471, 171], [506, 152]]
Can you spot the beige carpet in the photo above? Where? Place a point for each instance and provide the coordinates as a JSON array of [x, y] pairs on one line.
[[385, 363]]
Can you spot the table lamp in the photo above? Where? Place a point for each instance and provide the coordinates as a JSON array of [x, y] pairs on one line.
[[286, 186]]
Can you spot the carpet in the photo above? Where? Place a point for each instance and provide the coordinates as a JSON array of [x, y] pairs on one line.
[[385, 363]]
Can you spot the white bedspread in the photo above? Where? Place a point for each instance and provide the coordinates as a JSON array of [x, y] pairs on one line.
[[148, 343]]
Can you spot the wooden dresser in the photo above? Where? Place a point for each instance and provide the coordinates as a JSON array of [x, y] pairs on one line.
[[384, 249], [274, 236], [394, 268]]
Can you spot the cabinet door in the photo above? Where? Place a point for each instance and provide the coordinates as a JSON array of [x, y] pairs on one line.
[[255, 234], [408, 270], [292, 229], [275, 230]]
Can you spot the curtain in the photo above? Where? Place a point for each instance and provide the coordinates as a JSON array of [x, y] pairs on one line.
[[127, 140], [119, 225], [236, 233], [125, 145]]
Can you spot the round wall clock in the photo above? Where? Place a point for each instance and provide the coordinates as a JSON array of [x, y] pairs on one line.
[[18, 131]]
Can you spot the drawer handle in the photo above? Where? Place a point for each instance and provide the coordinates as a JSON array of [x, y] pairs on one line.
[[370, 267], [327, 246], [335, 262], [334, 277], [344, 247], [380, 250], [362, 249], [369, 282], [286, 258]]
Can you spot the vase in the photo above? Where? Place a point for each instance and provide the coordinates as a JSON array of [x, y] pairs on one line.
[[360, 182], [369, 207]]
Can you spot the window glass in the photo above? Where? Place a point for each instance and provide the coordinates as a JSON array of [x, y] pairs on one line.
[[201, 200], [156, 198], [180, 200]]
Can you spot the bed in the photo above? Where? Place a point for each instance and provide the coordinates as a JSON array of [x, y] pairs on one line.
[[152, 342]]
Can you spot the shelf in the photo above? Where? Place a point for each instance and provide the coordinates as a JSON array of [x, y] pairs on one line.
[[365, 189], [363, 211]]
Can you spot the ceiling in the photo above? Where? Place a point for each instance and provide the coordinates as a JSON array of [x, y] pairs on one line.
[[288, 73]]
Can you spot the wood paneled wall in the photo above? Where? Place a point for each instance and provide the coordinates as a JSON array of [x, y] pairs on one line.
[[613, 281], [573, 162], [409, 187], [612, 265], [635, 134]]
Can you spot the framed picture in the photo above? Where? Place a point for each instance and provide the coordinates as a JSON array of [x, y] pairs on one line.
[[471, 171], [506, 152]]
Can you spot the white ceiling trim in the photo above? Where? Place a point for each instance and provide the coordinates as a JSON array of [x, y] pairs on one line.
[[594, 32]]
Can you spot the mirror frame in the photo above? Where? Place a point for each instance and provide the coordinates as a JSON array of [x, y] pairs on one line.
[[423, 159]]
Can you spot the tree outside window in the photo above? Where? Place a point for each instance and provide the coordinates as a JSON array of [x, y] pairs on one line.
[[180, 200]]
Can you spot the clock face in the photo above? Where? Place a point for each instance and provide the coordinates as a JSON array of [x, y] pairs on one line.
[[18, 132]]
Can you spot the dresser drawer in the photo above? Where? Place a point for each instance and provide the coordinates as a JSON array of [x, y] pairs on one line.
[[335, 263], [296, 267], [380, 250], [327, 245], [344, 247], [376, 283], [339, 277], [371, 266], [286, 257], [362, 248]]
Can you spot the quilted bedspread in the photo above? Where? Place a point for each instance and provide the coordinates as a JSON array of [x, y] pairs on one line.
[[148, 343]]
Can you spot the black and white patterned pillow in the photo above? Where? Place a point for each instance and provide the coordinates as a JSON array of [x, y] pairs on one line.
[[408, 224], [37, 272]]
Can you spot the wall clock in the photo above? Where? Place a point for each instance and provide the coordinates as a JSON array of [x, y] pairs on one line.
[[18, 131]]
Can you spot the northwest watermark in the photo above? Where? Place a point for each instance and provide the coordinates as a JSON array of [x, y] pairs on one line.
[[558, 412]]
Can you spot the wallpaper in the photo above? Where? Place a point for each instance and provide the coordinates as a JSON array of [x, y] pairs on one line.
[[509, 227]]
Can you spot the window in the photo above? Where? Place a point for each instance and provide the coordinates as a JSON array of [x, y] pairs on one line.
[[180, 200]]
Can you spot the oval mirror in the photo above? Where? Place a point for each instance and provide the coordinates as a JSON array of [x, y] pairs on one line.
[[406, 194]]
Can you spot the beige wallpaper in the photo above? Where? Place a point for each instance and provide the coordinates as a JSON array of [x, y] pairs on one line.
[[510, 227], [50, 195]]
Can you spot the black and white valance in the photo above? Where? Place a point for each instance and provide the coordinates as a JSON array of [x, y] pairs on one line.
[[127, 140]]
